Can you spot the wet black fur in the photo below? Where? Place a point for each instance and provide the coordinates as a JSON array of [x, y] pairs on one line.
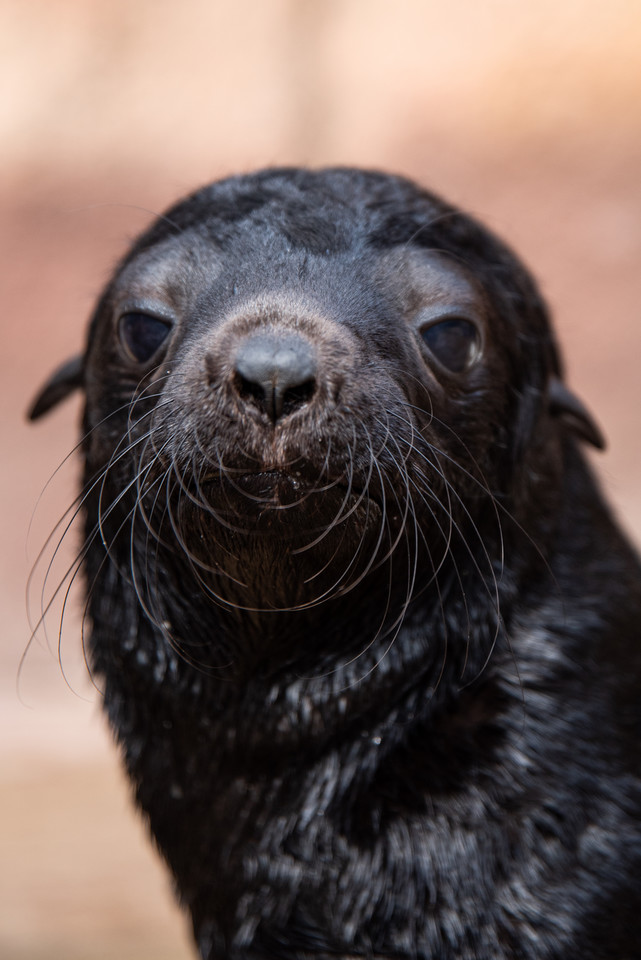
[[449, 769]]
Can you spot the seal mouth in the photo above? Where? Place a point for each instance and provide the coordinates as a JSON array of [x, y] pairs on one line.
[[281, 489], [298, 497], [275, 487]]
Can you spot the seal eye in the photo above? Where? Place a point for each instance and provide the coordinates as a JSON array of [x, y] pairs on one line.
[[454, 342], [142, 334]]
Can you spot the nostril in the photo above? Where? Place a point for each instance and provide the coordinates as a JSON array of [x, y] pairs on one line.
[[276, 372], [249, 390], [297, 396]]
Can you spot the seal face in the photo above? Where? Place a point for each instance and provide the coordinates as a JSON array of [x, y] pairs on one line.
[[346, 576]]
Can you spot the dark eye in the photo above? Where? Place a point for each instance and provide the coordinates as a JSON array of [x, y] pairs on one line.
[[454, 342], [142, 334]]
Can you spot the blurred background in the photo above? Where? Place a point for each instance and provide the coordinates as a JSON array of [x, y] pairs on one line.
[[527, 114]]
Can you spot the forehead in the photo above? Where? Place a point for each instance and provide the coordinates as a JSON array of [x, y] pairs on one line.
[[426, 275], [171, 269], [179, 268]]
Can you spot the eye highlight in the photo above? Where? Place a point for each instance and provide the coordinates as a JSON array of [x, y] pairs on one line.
[[142, 335], [454, 342]]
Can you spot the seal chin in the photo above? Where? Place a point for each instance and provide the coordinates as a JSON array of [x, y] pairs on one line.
[[272, 541]]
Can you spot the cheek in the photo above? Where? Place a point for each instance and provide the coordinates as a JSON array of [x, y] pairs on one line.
[[473, 416]]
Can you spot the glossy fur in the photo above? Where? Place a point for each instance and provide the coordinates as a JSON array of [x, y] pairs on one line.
[[374, 666]]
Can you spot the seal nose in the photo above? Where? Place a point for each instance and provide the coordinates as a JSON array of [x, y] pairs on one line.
[[276, 372]]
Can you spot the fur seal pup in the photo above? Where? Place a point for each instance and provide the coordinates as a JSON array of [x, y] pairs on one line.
[[368, 636]]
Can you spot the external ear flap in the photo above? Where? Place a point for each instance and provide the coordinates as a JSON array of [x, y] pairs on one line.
[[61, 383], [568, 407]]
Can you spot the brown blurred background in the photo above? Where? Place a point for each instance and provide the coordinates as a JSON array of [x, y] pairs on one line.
[[528, 114]]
